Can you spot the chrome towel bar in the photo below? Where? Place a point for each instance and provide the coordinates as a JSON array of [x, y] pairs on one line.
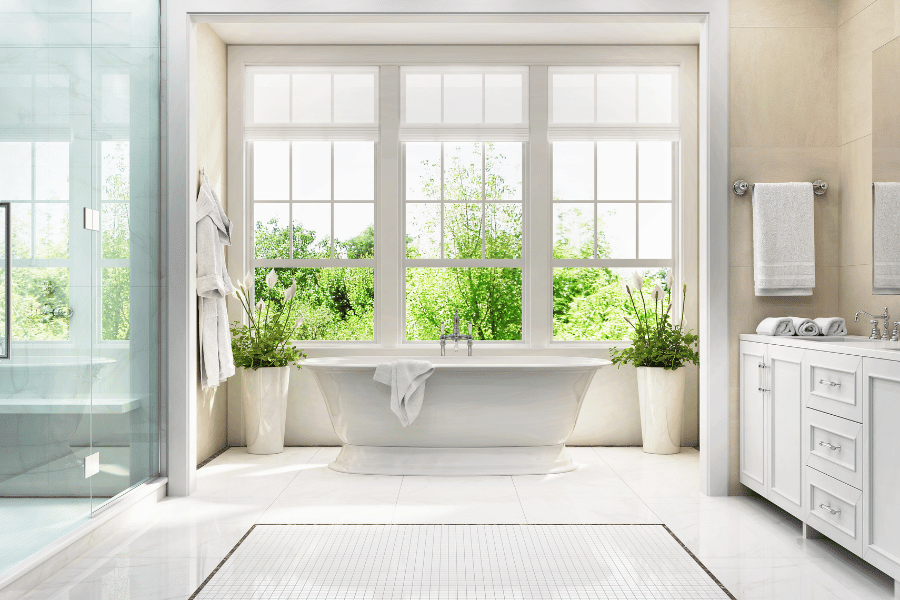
[[741, 187]]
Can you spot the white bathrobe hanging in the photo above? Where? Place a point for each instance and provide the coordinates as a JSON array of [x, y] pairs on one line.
[[213, 285]]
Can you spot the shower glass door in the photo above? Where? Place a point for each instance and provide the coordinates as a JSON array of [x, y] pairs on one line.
[[79, 137]]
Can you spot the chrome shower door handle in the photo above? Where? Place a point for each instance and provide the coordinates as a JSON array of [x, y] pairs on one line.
[[5, 305]]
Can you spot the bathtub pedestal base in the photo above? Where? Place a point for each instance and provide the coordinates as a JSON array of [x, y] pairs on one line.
[[406, 460]]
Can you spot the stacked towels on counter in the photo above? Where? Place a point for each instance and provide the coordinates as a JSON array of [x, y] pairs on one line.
[[802, 326]]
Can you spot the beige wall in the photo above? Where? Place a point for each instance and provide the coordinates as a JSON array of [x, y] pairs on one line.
[[212, 410], [784, 127], [864, 26]]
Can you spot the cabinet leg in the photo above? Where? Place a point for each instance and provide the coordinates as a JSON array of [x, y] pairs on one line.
[[811, 534]]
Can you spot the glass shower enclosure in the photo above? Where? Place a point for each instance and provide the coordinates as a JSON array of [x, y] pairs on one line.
[[79, 288]]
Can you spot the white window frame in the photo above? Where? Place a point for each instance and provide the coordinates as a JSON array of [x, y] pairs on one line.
[[537, 241]]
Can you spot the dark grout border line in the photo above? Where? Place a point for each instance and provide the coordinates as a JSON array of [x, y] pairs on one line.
[[670, 532], [697, 560], [213, 457], [222, 563]]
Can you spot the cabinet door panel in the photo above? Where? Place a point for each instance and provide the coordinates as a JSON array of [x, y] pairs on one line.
[[753, 417], [785, 428], [881, 476]]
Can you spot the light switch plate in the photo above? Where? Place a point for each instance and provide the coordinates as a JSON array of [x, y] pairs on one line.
[[91, 465]]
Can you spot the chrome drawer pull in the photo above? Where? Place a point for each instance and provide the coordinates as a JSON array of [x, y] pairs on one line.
[[762, 365], [829, 446], [834, 511], [762, 389], [831, 383]]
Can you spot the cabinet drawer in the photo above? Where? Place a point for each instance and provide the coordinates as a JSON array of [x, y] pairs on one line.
[[834, 384], [834, 509], [834, 446]]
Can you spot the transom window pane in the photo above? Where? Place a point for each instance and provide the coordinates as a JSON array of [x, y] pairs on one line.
[[613, 95], [464, 96], [312, 96]]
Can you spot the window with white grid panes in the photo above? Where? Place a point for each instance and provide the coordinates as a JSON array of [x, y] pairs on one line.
[[312, 136], [34, 178], [615, 161], [464, 132]]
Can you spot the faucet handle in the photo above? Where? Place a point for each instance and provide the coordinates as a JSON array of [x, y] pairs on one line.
[[895, 336], [874, 334]]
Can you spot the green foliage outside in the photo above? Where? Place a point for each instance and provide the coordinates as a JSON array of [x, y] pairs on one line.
[[338, 303]]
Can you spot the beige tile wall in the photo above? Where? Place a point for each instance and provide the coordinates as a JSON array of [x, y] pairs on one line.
[[784, 127], [211, 147], [865, 25]]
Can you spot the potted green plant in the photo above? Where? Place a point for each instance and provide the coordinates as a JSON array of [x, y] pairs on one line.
[[264, 351], [659, 349]]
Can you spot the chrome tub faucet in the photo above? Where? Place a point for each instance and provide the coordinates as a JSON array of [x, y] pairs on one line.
[[455, 336], [887, 319]]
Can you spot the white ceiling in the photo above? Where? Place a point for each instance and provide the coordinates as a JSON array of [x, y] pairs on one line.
[[458, 29]]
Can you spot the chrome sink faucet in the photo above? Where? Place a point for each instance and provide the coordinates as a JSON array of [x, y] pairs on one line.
[[887, 319], [455, 336]]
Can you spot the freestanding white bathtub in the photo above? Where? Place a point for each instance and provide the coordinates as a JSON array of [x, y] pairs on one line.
[[481, 415]]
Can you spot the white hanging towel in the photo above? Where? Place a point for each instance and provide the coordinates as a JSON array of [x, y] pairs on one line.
[[407, 380], [784, 247], [213, 285], [886, 239]]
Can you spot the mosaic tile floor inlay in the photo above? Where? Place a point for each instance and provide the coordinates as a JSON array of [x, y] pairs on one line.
[[460, 562]]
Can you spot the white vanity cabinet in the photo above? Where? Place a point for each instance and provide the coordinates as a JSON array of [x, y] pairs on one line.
[[771, 423], [881, 464], [820, 437]]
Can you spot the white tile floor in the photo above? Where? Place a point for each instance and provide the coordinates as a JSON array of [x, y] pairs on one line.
[[754, 549], [462, 562]]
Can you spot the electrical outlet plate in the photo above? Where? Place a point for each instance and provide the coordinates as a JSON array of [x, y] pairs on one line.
[[91, 465]]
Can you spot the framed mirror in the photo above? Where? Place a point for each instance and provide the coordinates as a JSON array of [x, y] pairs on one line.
[[886, 169]]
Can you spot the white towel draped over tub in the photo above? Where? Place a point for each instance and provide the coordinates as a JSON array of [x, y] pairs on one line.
[[784, 249], [213, 285], [407, 380], [886, 238]]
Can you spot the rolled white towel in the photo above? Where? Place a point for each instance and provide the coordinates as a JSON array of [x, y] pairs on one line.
[[805, 326], [776, 326], [832, 325]]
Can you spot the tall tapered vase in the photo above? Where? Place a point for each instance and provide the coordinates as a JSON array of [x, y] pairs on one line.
[[264, 394], [661, 396]]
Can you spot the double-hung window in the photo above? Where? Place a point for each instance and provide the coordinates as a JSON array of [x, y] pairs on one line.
[[615, 151], [311, 137], [522, 191], [463, 133]]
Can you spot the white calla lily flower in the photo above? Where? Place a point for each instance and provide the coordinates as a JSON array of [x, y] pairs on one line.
[[271, 279], [260, 306], [626, 288], [637, 282], [669, 280], [289, 292], [248, 280], [658, 293], [298, 322]]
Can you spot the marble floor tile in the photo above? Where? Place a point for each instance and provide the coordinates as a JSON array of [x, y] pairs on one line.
[[458, 500], [755, 549]]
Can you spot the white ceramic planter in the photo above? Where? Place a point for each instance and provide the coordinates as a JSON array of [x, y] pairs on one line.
[[264, 397], [661, 396]]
